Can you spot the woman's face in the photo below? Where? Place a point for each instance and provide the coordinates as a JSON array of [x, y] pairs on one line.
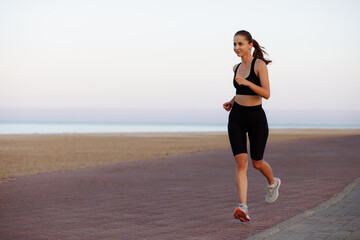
[[241, 46]]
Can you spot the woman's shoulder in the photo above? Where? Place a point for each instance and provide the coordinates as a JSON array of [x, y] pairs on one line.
[[235, 66], [259, 64], [259, 61]]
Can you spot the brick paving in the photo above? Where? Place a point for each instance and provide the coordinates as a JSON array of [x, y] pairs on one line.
[[189, 196], [341, 221]]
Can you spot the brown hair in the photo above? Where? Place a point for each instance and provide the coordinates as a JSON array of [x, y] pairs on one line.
[[258, 52]]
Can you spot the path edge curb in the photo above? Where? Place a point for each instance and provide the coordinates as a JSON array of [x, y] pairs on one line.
[[322, 206]]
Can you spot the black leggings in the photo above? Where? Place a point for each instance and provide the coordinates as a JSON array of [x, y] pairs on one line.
[[251, 120]]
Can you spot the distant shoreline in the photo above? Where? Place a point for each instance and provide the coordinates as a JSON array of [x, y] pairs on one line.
[[81, 127], [306, 131]]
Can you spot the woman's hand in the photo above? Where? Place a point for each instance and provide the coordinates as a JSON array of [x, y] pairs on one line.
[[242, 81], [227, 106]]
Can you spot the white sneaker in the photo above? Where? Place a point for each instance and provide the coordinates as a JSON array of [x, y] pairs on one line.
[[273, 191], [242, 213]]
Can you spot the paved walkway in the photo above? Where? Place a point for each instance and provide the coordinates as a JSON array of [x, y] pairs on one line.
[[190, 196], [336, 219]]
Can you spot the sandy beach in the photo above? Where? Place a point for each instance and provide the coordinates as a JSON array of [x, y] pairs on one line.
[[24, 154]]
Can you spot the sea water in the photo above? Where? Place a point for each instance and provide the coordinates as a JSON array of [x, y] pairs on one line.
[[150, 120], [83, 127]]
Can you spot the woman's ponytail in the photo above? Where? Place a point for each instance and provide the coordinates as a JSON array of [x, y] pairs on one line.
[[259, 52]]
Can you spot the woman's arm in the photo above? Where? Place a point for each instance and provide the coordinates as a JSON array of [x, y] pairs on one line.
[[228, 105], [264, 90], [232, 101]]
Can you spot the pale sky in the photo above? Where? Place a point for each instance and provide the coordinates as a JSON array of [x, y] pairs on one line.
[[82, 54]]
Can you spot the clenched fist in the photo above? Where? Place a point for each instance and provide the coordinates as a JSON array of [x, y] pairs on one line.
[[227, 106]]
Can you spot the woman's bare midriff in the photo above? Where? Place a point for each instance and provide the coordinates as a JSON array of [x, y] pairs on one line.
[[248, 100]]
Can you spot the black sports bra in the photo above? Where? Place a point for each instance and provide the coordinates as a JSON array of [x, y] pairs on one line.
[[244, 90]]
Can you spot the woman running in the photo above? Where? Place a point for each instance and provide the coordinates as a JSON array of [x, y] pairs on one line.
[[248, 116]]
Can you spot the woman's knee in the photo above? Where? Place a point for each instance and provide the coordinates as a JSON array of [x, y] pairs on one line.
[[241, 161], [258, 164]]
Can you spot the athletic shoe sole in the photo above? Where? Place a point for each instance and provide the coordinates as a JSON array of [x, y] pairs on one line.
[[241, 215], [278, 192]]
